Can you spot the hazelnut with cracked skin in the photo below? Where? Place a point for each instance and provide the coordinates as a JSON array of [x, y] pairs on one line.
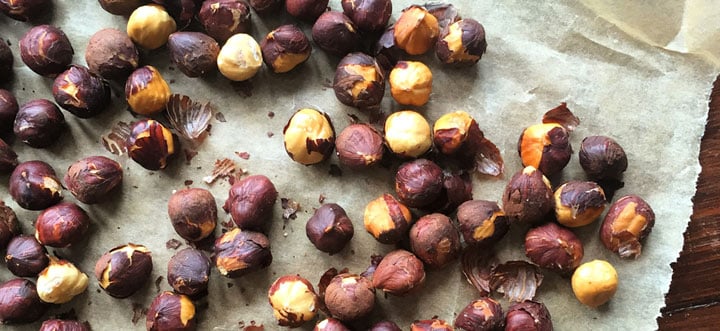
[[293, 300], [416, 30], [8, 158], [408, 134], [434, 239], [240, 58], [528, 315], [171, 311], [594, 283], [39, 123], [194, 53], [306, 10], [60, 282], [399, 273], [481, 222], [250, 202], [554, 247], [602, 158], [8, 110], [350, 297], [64, 325], [81, 92], [150, 26], [24, 10], [19, 302], [61, 225], [434, 324], [330, 324], [628, 221], [124, 270], [224, 18], [386, 219], [193, 213], [309, 136], [359, 81], [546, 147], [46, 50], [452, 130], [336, 34], [111, 54], [578, 203], [285, 48], [385, 326], [411, 83], [150, 144], [329, 229], [239, 252], [146, 91], [484, 314], [34, 185], [188, 272], [25, 256], [120, 7], [418, 183], [368, 15], [91, 179], [528, 196], [9, 225], [359, 146], [462, 43], [263, 7]]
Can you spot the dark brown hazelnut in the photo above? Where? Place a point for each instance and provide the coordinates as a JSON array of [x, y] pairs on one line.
[[8, 157], [149, 26], [628, 221], [482, 222], [329, 229], [484, 314], [26, 257], [120, 7], [61, 225], [386, 219], [224, 18], [239, 252], [285, 48], [578, 203], [368, 15], [418, 183], [434, 240], [602, 158], [528, 315], [263, 7], [146, 91], [193, 213], [182, 11], [385, 326], [293, 300], [336, 34], [359, 146], [124, 270], [445, 13], [528, 197], [309, 136], [457, 188], [194, 53], [171, 311], [91, 179], [386, 52], [64, 325], [408, 134], [24, 10], [46, 50], [19, 302], [6, 62], [330, 324], [39, 123], [81, 92], [416, 30], [9, 225], [250, 202], [462, 43], [399, 273], [359, 81], [546, 147], [306, 10], [150, 144], [554, 247], [34, 185], [431, 325], [8, 109], [350, 297], [410, 83], [111, 54], [188, 272]]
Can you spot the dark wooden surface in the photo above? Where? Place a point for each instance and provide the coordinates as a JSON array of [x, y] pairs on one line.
[[693, 301]]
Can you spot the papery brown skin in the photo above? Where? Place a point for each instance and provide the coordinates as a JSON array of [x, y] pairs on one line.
[[528, 315], [385, 326], [359, 146], [25, 256], [627, 223], [188, 272], [8, 104], [368, 15], [445, 13], [81, 92], [517, 280], [285, 48], [91, 179], [250, 202], [224, 18], [25, 10], [418, 183], [46, 50], [553, 247], [34, 185], [39, 123], [263, 7], [111, 54], [471, 47], [6, 65], [386, 52], [150, 144], [602, 158], [238, 253], [306, 10], [351, 86], [330, 324], [19, 302], [130, 267], [477, 266], [481, 222], [528, 197], [193, 213], [350, 297], [64, 325], [484, 314], [8, 158], [194, 53], [336, 34], [62, 225], [545, 147], [166, 313], [435, 241], [399, 273], [120, 7], [431, 325], [9, 225], [563, 116], [329, 229]]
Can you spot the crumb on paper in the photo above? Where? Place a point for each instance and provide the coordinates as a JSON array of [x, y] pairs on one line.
[[224, 168], [173, 244], [138, 312], [271, 114], [243, 155], [290, 208], [188, 182], [254, 327], [321, 198], [270, 134], [158, 281], [220, 117]]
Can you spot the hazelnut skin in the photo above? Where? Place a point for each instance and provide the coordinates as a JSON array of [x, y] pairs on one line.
[[111, 54], [445, 13], [64, 325], [239, 252], [188, 272], [263, 7], [554, 247], [46, 50], [124, 270], [194, 53], [39, 123], [416, 30], [26, 257], [34, 185], [407, 134], [594, 283], [482, 223], [528, 197], [81, 92], [150, 144], [368, 15], [359, 81], [250, 202], [431, 325], [193, 213], [418, 183], [309, 136], [399, 273], [285, 48], [19, 302], [8, 109], [386, 52], [463, 43], [293, 300], [61, 225], [578, 203], [240, 58], [146, 91], [602, 158], [546, 147], [528, 315], [120, 7], [9, 225], [336, 34], [149, 26], [359, 146], [386, 219], [329, 229], [385, 326], [484, 314], [434, 240], [224, 18], [410, 83], [6, 62], [330, 324], [171, 311], [628, 221], [60, 282], [8, 158], [91, 179], [24, 10], [306, 10], [350, 297]]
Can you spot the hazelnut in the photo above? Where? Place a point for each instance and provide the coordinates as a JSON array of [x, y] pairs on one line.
[[418, 183], [150, 26], [484, 314], [407, 134], [182, 11], [224, 18], [554, 247], [594, 283], [150, 144], [602, 157], [8, 158], [482, 222], [330, 324], [188, 272], [410, 83], [336, 34], [64, 325], [431, 325], [26, 257], [124, 270], [39, 123], [445, 13], [285, 48], [628, 221], [293, 300], [61, 225], [528, 197], [462, 43], [329, 229], [451, 131], [60, 282], [240, 58], [306, 10], [385, 326], [34, 185], [368, 15], [528, 315], [309, 136], [250, 202], [239, 252], [579, 203], [146, 91], [120, 7], [81, 92], [171, 311], [111, 54], [546, 147], [434, 240], [6, 62], [386, 219], [350, 297], [386, 52], [263, 7], [91, 179], [416, 30], [359, 146], [193, 213], [19, 302], [24, 10], [46, 50], [359, 81], [9, 225], [194, 53], [398, 273], [8, 108]]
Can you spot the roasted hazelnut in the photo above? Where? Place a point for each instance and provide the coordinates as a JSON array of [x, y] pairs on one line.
[[194, 53], [293, 300], [24, 10], [46, 50], [528, 315], [8, 157], [602, 158], [239, 252], [528, 197], [91, 179], [359, 146], [171, 311], [39, 123], [416, 30], [34, 185], [120, 7], [64, 325], [452, 130], [150, 26], [9, 225], [193, 213], [445, 13], [224, 18], [81, 92], [385, 326], [26, 257], [111, 54], [484, 314], [188, 272], [594, 283], [410, 83], [336, 34], [263, 7], [124, 270], [579, 203], [182, 11], [150, 144], [482, 222], [554, 247], [434, 240], [408, 134], [386, 52], [418, 183], [8, 109], [19, 302], [329, 228], [61, 225], [628, 221], [309, 136], [431, 325], [6, 63], [398, 273], [457, 188], [306, 10], [350, 297], [462, 43], [546, 147], [240, 58], [330, 324], [250, 202], [146, 91], [368, 15], [386, 219], [359, 81], [60, 282], [285, 48]]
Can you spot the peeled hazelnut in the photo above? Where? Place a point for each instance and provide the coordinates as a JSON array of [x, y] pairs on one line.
[[407, 134], [285, 48], [81, 92], [398, 273], [602, 157], [329, 229], [306, 10], [224, 18], [39, 123], [336, 34], [60, 282], [91, 179], [628, 221], [8, 108], [554, 247], [9, 225], [64, 325], [24, 10], [546, 147], [410, 83], [387, 219], [482, 222], [150, 26], [46, 50], [34, 185], [6, 62], [193, 213], [579, 203], [19, 302], [528, 197], [418, 183], [146, 91], [350, 297], [463, 43], [330, 324], [263, 7], [309, 136], [293, 300], [368, 15], [150, 144], [484, 314], [416, 30], [120, 7], [434, 240], [594, 283], [445, 13], [194, 53], [240, 58], [359, 146], [359, 81], [250, 202], [111, 54], [528, 315], [239, 252], [25, 256], [431, 325], [188, 272], [385, 326], [170, 311], [124, 270]]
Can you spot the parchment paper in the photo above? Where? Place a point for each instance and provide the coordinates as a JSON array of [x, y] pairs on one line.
[[639, 73]]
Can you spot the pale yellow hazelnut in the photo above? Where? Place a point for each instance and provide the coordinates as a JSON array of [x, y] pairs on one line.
[[407, 133], [309, 136], [411, 83], [293, 300], [60, 282], [594, 283], [150, 26], [240, 58]]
